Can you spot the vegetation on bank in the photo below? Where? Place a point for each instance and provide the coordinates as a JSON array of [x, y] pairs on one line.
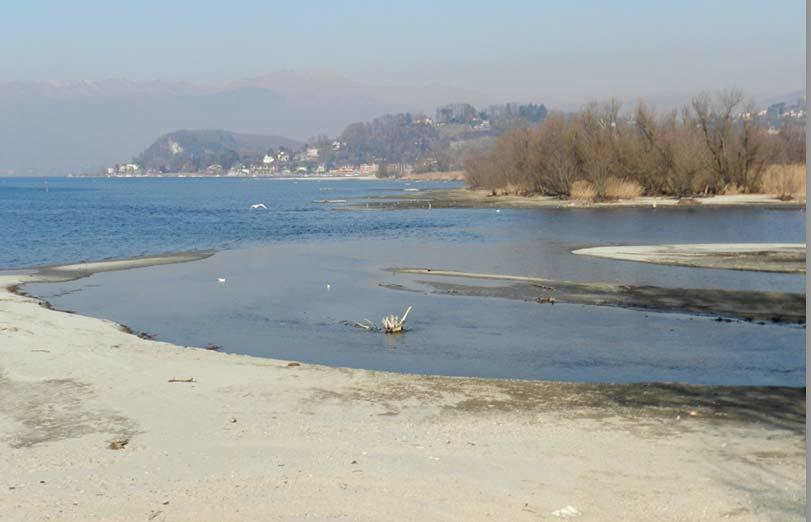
[[717, 144]]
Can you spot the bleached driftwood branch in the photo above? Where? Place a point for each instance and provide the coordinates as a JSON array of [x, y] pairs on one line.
[[393, 324]]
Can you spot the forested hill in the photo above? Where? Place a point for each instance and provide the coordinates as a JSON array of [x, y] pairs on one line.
[[194, 150]]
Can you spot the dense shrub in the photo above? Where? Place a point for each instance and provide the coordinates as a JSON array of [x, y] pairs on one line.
[[712, 146]]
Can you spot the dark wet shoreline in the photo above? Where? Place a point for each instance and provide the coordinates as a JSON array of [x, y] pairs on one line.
[[775, 307]]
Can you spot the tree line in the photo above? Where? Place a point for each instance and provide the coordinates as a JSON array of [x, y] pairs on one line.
[[715, 144]]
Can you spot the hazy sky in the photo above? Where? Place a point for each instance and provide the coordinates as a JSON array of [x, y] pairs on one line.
[[510, 49]]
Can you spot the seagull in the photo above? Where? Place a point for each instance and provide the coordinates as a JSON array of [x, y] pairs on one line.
[[498, 210], [259, 205], [220, 279], [328, 287]]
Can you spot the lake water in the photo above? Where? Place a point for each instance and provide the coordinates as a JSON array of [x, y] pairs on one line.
[[278, 262]]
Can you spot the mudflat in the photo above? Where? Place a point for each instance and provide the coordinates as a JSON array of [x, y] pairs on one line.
[[100, 424], [778, 307]]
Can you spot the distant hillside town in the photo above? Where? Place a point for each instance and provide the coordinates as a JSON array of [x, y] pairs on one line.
[[388, 146]]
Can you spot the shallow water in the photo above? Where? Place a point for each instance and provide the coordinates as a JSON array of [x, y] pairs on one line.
[[275, 301]]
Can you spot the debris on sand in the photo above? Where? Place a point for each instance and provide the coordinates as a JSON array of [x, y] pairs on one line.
[[118, 444], [566, 512]]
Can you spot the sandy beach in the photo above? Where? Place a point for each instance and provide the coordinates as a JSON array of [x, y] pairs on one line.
[[765, 257], [470, 198], [98, 424]]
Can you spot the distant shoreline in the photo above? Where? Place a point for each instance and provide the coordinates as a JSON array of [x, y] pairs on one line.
[[471, 198], [201, 175]]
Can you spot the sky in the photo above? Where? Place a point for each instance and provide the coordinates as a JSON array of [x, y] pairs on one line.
[[510, 49]]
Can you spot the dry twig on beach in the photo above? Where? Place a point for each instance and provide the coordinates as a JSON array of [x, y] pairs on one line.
[[118, 444], [190, 379]]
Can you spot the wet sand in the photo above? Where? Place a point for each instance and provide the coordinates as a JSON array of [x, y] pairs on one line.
[[778, 307], [468, 198], [208, 436], [759, 257]]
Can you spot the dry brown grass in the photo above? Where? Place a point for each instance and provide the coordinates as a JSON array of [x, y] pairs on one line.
[[582, 190], [784, 181], [732, 189], [510, 190], [622, 189], [451, 175]]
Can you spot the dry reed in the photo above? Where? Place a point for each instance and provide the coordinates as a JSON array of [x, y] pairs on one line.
[[784, 181], [582, 190], [622, 189]]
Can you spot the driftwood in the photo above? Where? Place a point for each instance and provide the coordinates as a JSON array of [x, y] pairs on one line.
[[190, 379], [118, 444], [391, 324]]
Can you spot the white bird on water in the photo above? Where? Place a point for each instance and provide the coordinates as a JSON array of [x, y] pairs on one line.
[[220, 279], [259, 205], [328, 286]]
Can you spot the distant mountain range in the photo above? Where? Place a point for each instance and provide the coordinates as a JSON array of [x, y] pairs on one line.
[[61, 127]]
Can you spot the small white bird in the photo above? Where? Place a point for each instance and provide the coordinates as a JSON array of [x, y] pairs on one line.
[[328, 287], [259, 205], [498, 210], [220, 279]]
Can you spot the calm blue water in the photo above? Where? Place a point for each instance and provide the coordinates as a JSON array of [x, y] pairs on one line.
[[278, 263], [57, 220]]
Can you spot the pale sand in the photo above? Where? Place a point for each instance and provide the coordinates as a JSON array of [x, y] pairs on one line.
[[453, 175], [256, 439], [766, 257], [469, 198]]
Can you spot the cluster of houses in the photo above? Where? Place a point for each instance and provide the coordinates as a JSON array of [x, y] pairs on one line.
[[282, 163], [285, 163], [269, 169], [127, 169]]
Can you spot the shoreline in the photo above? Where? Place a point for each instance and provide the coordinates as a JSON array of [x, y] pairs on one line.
[[271, 439], [786, 258], [471, 198], [746, 305]]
